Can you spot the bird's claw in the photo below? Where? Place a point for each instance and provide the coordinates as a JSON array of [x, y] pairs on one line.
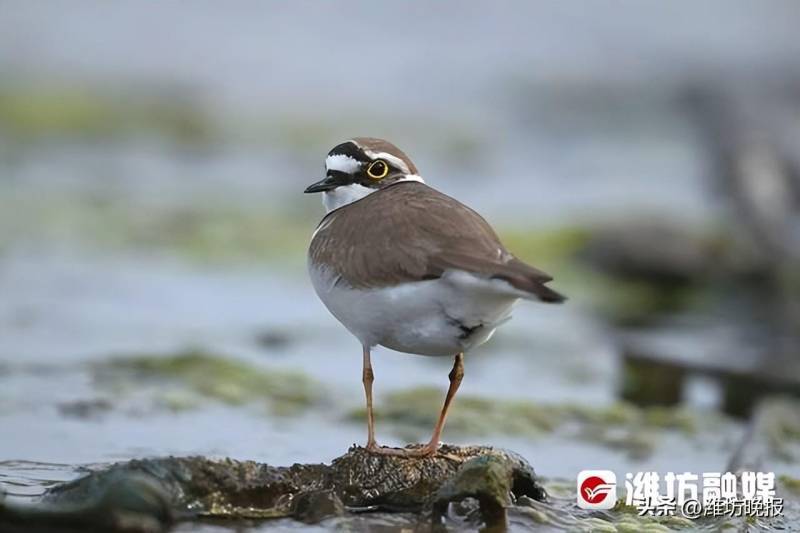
[[417, 453]]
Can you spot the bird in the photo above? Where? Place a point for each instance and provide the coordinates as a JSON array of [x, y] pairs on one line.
[[404, 266]]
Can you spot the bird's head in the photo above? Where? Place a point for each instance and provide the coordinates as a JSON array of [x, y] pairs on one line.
[[359, 167]]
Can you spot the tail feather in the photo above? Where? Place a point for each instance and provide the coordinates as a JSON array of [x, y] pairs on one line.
[[518, 274], [531, 280], [546, 294]]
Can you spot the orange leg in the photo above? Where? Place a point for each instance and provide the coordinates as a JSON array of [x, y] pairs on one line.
[[456, 375], [367, 377]]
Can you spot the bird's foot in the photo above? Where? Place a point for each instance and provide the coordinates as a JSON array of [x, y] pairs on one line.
[[417, 453]]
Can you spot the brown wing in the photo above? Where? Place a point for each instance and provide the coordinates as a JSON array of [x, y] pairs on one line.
[[417, 233]]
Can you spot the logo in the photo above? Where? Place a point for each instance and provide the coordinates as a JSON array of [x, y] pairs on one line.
[[597, 489]]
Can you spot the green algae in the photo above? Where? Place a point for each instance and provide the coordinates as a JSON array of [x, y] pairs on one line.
[[211, 232], [632, 302], [545, 246], [598, 525], [472, 415], [622, 426], [626, 519], [792, 484], [552, 249], [191, 376], [781, 427], [28, 113], [562, 513]]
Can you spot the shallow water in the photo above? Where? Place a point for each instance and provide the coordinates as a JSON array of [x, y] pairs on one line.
[[62, 314]]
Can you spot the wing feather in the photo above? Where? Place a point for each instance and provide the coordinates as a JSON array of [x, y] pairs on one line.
[[417, 233]]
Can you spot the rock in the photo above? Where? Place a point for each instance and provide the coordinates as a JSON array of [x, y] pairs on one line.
[[315, 506], [124, 502], [149, 493], [486, 479], [401, 484]]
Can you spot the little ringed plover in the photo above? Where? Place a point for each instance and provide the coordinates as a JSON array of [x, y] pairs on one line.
[[404, 266]]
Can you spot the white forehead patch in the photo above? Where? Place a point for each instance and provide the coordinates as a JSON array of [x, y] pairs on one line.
[[342, 163]]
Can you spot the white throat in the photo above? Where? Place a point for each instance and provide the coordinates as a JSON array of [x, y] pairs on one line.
[[344, 195], [347, 194]]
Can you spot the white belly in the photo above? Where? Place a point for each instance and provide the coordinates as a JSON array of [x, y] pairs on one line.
[[444, 316]]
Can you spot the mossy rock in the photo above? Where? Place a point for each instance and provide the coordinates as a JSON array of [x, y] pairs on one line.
[[156, 492]]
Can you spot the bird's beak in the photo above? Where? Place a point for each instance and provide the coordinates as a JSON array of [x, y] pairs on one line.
[[326, 184]]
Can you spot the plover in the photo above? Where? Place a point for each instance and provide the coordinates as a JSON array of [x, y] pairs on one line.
[[407, 267]]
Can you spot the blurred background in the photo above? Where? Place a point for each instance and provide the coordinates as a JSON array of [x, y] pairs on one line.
[[153, 230]]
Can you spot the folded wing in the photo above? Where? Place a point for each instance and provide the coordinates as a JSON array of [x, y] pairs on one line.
[[417, 233]]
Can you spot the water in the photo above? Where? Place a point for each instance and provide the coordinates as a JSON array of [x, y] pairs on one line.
[[59, 314]]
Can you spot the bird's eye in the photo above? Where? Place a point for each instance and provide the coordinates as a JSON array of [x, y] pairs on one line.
[[378, 169]]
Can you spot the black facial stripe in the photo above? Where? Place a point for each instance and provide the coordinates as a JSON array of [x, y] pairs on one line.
[[340, 178], [338, 175], [350, 150]]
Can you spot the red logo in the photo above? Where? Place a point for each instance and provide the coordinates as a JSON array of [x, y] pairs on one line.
[[597, 489], [594, 489]]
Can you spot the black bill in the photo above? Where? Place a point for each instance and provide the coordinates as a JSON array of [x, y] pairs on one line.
[[336, 179]]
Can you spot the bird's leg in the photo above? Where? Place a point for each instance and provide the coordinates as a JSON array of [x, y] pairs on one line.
[[456, 375], [367, 377]]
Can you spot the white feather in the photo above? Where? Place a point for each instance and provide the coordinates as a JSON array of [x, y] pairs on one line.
[[419, 317], [342, 163], [346, 194], [343, 195]]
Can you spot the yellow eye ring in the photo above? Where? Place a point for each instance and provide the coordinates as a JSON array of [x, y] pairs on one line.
[[378, 169]]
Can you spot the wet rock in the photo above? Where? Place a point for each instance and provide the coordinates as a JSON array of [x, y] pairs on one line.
[[123, 501], [151, 492], [398, 484], [486, 479], [316, 506]]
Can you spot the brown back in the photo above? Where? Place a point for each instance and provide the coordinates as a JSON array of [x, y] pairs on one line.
[[416, 233]]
